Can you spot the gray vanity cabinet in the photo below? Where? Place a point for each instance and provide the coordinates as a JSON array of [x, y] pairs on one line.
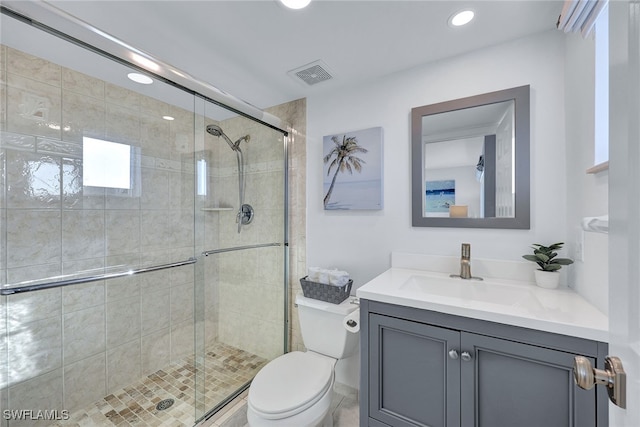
[[423, 368], [414, 383], [507, 383]]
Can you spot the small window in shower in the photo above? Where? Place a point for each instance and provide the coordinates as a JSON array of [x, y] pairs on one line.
[[106, 164]]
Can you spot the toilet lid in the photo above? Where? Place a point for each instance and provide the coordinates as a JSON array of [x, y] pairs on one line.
[[290, 384]]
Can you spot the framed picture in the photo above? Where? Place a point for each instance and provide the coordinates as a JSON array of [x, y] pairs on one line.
[[440, 195], [353, 170]]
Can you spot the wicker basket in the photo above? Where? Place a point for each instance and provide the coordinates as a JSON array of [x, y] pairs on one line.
[[323, 292]]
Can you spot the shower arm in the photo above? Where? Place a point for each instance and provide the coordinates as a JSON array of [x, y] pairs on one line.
[[236, 145]]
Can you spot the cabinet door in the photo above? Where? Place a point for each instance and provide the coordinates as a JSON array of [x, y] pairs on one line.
[[513, 384], [412, 379]]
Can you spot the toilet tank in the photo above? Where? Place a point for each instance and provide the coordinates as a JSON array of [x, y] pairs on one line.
[[321, 325]]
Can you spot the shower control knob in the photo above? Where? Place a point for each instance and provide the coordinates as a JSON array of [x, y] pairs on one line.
[[453, 354]]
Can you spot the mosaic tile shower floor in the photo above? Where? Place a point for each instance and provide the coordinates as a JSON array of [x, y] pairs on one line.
[[227, 368]]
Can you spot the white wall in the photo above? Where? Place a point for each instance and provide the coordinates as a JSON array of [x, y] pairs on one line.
[[361, 242], [588, 195]]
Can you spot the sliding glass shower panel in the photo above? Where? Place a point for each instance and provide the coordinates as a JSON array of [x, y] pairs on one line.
[[242, 200], [97, 223]]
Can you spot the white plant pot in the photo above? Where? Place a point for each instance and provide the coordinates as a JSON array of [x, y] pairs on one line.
[[547, 279]]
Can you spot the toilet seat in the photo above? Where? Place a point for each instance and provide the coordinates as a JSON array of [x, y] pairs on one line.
[[290, 384]]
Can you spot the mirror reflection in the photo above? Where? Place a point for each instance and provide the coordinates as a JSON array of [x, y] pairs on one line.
[[470, 161]]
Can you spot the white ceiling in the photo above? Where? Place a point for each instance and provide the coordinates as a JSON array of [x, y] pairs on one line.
[[246, 48]]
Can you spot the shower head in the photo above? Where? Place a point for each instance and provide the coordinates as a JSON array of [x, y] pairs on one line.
[[216, 130]]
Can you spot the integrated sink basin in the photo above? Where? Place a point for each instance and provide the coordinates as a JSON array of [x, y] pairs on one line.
[[511, 298], [473, 290]]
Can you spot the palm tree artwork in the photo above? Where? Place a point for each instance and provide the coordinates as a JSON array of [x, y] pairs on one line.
[[343, 159]]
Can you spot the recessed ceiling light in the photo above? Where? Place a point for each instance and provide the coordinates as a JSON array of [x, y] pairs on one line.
[[461, 18], [295, 4], [168, 118], [140, 78]]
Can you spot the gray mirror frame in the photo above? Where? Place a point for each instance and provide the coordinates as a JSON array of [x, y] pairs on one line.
[[520, 95]]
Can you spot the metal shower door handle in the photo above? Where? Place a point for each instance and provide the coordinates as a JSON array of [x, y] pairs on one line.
[[613, 377]]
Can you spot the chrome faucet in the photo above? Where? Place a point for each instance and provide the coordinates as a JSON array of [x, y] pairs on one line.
[[465, 264], [465, 261]]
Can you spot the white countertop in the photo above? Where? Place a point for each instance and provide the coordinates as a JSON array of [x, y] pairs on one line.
[[509, 302]]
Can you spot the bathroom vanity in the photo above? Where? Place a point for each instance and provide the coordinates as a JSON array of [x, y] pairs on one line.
[[438, 351]]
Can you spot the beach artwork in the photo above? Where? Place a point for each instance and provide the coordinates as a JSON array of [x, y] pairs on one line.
[[353, 170], [439, 196]]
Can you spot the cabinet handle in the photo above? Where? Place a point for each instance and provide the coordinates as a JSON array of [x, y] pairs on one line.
[[453, 354], [466, 356]]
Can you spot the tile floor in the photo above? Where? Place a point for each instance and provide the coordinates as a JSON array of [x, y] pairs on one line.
[[226, 370], [344, 407]]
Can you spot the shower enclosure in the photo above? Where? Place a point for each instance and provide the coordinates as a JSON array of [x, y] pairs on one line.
[[143, 252]]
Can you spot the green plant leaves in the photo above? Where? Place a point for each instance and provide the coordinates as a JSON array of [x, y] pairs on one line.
[[542, 257], [545, 257]]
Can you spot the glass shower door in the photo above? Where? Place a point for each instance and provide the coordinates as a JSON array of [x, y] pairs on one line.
[[97, 238], [241, 223]]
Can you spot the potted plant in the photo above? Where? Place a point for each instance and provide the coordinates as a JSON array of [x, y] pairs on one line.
[[547, 276]]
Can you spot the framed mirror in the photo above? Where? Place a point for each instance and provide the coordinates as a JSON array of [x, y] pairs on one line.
[[470, 162]]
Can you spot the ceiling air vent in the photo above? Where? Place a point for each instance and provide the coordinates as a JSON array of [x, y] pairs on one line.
[[311, 74]]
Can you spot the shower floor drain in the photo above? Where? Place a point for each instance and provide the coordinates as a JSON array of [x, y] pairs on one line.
[[164, 404]]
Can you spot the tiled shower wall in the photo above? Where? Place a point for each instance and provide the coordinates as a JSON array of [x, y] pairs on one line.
[[70, 346], [294, 113], [251, 282]]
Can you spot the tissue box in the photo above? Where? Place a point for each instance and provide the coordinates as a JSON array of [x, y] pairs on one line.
[[323, 292]]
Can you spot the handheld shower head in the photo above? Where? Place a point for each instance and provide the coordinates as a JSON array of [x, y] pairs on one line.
[[216, 130]]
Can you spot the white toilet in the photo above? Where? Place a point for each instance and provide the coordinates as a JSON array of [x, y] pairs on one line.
[[295, 389]]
